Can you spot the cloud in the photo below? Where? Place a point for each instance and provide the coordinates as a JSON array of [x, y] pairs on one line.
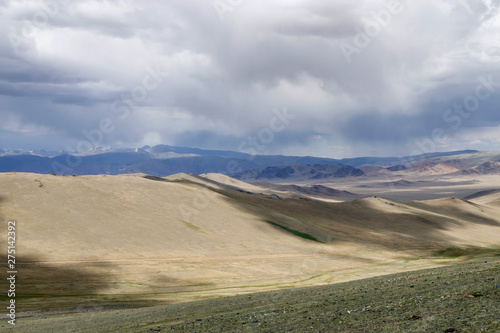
[[63, 68]]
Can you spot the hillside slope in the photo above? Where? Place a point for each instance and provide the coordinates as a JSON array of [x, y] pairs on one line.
[[314, 191], [135, 240], [380, 222], [483, 197], [458, 298]]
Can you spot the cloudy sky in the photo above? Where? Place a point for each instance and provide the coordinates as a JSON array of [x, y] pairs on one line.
[[313, 77]]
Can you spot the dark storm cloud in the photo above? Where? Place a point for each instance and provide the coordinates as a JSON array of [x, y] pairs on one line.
[[225, 77]]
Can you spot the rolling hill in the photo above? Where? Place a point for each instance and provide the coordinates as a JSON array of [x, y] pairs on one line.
[[315, 191], [136, 240], [483, 197]]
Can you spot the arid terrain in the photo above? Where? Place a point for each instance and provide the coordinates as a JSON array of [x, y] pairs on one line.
[[101, 242], [459, 297]]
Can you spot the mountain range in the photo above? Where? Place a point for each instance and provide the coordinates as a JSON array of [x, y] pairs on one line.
[[163, 160], [300, 172]]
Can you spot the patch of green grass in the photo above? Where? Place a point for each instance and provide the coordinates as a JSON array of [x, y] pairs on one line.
[[456, 252], [295, 232], [132, 284], [191, 226]]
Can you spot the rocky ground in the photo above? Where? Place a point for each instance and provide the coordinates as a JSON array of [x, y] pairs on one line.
[[464, 297]]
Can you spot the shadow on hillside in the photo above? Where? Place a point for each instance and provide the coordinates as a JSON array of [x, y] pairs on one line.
[[455, 213], [43, 283], [66, 286], [354, 221]]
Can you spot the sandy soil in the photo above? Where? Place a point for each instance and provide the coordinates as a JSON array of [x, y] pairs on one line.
[[142, 241]]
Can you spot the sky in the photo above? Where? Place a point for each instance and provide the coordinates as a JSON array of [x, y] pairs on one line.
[[322, 78]]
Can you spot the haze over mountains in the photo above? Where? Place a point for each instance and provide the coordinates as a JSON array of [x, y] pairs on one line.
[[163, 160]]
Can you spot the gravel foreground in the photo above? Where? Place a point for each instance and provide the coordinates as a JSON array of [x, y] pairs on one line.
[[464, 297]]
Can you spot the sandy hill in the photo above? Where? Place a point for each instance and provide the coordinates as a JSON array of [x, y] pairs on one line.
[[186, 177], [216, 181], [131, 235], [379, 221], [494, 203], [220, 181], [140, 239], [483, 197], [232, 182], [312, 191], [460, 210], [102, 216]]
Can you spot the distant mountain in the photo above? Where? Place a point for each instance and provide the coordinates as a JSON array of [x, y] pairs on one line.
[[391, 161], [374, 170], [162, 149], [159, 151], [461, 161], [438, 169], [486, 168], [163, 160], [22, 152], [298, 172], [469, 166], [398, 167]]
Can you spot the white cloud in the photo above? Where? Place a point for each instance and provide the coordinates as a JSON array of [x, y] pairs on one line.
[[12, 123], [151, 139]]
